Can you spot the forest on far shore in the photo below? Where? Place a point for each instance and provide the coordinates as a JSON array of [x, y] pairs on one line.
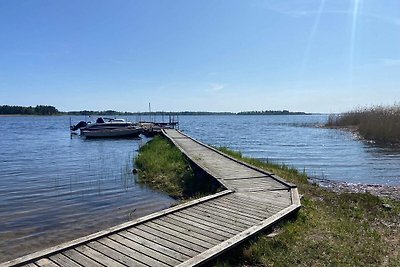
[[38, 110], [50, 110]]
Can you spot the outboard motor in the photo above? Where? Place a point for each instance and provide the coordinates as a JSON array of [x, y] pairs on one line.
[[100, 120], [81, 124]]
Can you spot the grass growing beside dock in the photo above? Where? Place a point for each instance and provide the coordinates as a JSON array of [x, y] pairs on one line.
[[163, 167], [380, 123], [331, 229]]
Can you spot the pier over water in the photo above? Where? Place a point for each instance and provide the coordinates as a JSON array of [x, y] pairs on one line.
[[188, 234]]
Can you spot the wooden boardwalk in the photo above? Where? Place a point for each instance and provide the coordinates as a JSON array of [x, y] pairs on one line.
[[188, 234]]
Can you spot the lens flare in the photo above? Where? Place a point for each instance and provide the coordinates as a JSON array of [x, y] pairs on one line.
[[355, 12], [311, 37]]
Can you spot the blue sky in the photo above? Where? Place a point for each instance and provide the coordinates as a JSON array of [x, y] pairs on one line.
[[301, 55]]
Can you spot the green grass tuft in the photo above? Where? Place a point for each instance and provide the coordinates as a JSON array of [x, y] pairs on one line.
[[163, 167]]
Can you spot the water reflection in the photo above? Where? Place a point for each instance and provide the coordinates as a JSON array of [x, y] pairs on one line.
[[54, 188]]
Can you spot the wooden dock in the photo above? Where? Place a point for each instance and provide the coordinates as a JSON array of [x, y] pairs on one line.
[[188, 234]]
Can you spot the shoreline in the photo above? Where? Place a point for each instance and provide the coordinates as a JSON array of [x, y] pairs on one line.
[[355, 131], [388, 191]]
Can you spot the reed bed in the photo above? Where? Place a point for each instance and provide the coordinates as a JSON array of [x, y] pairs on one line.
[[379, 123]]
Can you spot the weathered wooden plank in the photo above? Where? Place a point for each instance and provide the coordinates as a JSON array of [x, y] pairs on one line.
[[279, 179], [193, 240], [253, 209], [97, 256], [80, 258], [214, 220], [256, 180], [254, 216], [295, 198], [114, 254], [215, 251], [155, 231], [266, 205], [265, 208], [64, 261], [277, 198], [231, 213], [46, 263], [261, 176], [251, 213], [242, 198], [186, 231], [195, 229], [225, 216], [179, 257], [200, 225], [144, 250], [149, 261], [232, 209], [204, 221], [280, 198], [164, 242], [251, 186]]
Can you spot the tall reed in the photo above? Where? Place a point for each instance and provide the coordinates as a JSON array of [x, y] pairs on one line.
[[378, 123]]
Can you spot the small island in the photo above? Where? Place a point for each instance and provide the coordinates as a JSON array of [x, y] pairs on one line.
[[272, 112]]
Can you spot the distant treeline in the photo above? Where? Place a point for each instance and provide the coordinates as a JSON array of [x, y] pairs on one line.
[[50, 110], [183, 113], [146, 113], [272, 112], [38, 110], [100, 113]]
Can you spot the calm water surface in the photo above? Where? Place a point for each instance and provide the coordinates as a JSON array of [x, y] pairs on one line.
[[296, 141], [54, 188]]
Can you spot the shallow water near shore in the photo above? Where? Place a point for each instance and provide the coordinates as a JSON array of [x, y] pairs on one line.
[[54, 188]]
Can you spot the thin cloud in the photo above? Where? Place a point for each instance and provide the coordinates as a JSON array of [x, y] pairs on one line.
[[216, 87]]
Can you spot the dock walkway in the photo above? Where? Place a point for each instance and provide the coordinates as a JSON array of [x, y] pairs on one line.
[[188, 234]]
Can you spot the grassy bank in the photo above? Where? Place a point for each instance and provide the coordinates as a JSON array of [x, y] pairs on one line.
[[331, 229], [380, 123], [163, 167]]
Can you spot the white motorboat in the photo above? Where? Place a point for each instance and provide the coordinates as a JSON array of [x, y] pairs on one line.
[[106, 127], [128, 131]]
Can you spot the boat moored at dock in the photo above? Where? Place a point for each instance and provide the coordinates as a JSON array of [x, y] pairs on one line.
[[128, 131], [107, 128]]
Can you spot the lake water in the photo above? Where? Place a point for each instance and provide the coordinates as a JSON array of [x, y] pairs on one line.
[[297, 141], [54, 188]]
